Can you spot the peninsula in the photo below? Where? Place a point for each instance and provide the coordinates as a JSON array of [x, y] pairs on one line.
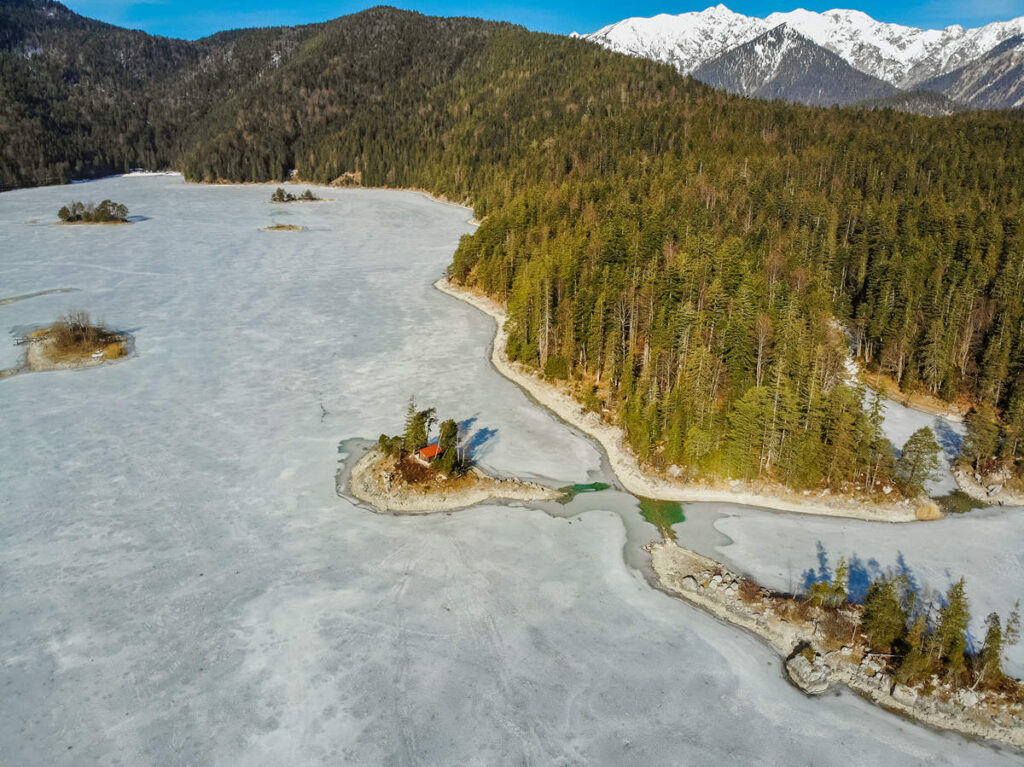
[[910, 658], [413, 473], [642, 480]]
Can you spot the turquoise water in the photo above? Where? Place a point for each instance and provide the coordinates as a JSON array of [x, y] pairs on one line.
[[590, 487], [662, 514]]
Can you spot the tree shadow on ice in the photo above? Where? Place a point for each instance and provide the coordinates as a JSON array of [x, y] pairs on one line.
[[862, 573], [947, 438], [476, 442]]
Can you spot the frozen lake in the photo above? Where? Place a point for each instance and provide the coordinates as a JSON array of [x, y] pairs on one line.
[[179, 583]]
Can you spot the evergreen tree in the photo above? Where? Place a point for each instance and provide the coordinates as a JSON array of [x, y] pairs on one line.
[[918, 462], [885, 619], [991, 656], [831, 592], [449, 435], [982, 441], [950, 639], [916, 664]]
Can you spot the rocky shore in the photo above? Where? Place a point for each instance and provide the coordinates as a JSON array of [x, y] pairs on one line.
[[642, 482], [374, 480], [988, 490], [811, 660]]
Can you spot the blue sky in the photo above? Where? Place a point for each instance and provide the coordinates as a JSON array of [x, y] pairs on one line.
[[196, 18]]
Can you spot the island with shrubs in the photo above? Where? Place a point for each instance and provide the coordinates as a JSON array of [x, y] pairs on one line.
[[74, 341], [280, 195], [416, 472], [106, 212]]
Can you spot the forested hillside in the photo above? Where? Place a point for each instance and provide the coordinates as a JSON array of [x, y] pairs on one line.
[[690, 260]]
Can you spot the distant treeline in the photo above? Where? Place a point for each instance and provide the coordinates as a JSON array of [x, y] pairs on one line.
[[696, 263]]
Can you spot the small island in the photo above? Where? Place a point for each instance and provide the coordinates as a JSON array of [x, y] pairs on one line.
[[280, 195], [415, 473], [282, 228], [107, 212], [74, 341]]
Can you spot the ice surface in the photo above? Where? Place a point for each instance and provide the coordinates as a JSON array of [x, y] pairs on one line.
[[180, 584]]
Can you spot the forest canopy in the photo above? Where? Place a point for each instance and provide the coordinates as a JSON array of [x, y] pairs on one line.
[[696, 263]]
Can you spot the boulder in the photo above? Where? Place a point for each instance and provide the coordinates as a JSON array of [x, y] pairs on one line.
[[812, 678], [904, 694]]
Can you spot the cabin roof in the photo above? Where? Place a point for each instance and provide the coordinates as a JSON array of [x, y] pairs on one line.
[[430, 451]]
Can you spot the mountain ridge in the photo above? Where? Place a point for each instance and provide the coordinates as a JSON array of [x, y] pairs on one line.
[[900, 55], [782, 63]]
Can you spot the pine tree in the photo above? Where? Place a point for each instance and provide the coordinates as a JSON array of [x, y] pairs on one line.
[[449, 435], [831, 592], [950, 639], [918, 462], [990, 658], [982, 441], [916, 665], [885, 619]]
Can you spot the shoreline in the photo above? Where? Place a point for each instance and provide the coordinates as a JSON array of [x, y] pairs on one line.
[[709, 585], [625, 465], [364, 483], [979, 491], [90, 223]]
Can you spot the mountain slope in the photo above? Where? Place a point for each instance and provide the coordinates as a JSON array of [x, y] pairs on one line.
[[141, 96], [918, 102], [994, 81], [782, 64], [899, 55]]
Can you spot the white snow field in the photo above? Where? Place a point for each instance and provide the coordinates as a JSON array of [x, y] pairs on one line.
[[179, 583]]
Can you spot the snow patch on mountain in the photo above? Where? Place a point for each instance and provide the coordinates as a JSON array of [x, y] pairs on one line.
[[897, 54]]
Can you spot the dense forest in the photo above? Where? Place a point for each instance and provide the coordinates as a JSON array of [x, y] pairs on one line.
[[697, 263]]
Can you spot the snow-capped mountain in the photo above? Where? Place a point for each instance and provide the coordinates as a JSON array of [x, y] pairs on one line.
[[996, 80], [899, 55], [686, 41], [782, 63]]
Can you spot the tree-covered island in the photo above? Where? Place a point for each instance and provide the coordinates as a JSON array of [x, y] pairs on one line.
[[417, 471], [280, 195], [106, 212]]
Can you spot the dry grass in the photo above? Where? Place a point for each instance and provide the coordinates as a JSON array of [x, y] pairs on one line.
[[838, 628], [922, 401], [750, 591], [74, 336], [115, 350], [414, 472], [928, 511]]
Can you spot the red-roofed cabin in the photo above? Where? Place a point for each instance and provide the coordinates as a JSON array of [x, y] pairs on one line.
[[428, 452]]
